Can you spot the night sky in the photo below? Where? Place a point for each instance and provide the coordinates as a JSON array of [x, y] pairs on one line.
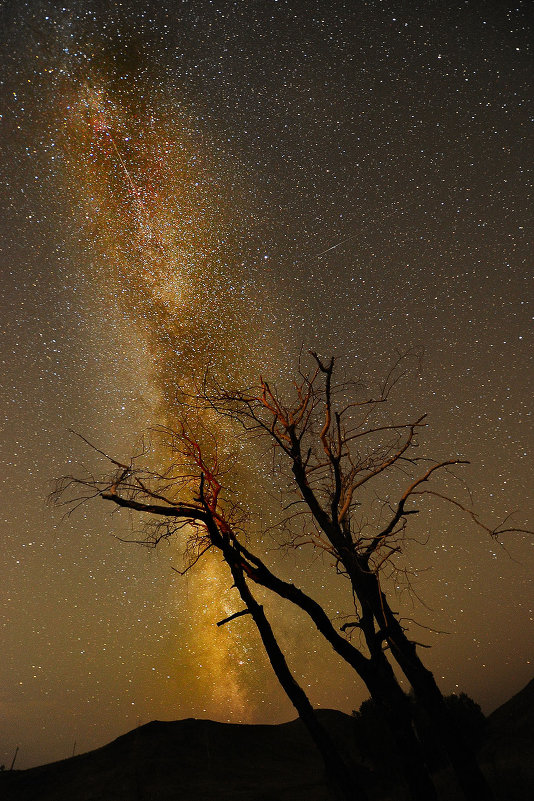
[[221, 184]]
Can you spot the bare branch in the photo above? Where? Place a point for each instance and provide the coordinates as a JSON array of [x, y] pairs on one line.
[[401, 511], [179, 510], [233, 617]]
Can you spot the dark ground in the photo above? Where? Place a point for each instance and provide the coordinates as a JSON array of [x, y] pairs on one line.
[[207, 761]]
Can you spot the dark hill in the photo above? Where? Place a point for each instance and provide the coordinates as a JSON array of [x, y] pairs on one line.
[[508, 751], [205, 761], [514, 719], [188, 759]]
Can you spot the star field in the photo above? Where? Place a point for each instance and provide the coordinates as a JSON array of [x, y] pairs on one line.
[[218, 183]]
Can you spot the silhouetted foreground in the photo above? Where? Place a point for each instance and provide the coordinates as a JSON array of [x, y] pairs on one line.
[[207, 761], [188, 759]]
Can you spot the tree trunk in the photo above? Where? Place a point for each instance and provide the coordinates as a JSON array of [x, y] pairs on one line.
[[461, 755], [386, 691], [339, 774], [397, 711], [375, 672]]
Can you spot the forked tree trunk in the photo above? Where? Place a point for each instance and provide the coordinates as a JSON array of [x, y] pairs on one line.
[[459, 750], [398, 714], [461, 755], [386, 691], [376, 673], [339, 774]]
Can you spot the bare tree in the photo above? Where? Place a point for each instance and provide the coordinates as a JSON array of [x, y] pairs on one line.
[[207, 526], [333, 448]]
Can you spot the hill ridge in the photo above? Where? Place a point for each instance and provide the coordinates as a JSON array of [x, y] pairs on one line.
[[204, 760]]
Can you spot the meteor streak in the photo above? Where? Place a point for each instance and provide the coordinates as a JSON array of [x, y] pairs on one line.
[[333, 247]]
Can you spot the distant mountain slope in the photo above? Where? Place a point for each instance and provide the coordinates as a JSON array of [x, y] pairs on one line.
[[515, 718], [188, 759], [199, 760], [508, 751]]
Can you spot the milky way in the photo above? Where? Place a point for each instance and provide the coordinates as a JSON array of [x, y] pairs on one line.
[[218, 186]]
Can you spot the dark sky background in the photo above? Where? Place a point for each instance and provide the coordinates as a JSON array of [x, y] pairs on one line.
[[225, 183]]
